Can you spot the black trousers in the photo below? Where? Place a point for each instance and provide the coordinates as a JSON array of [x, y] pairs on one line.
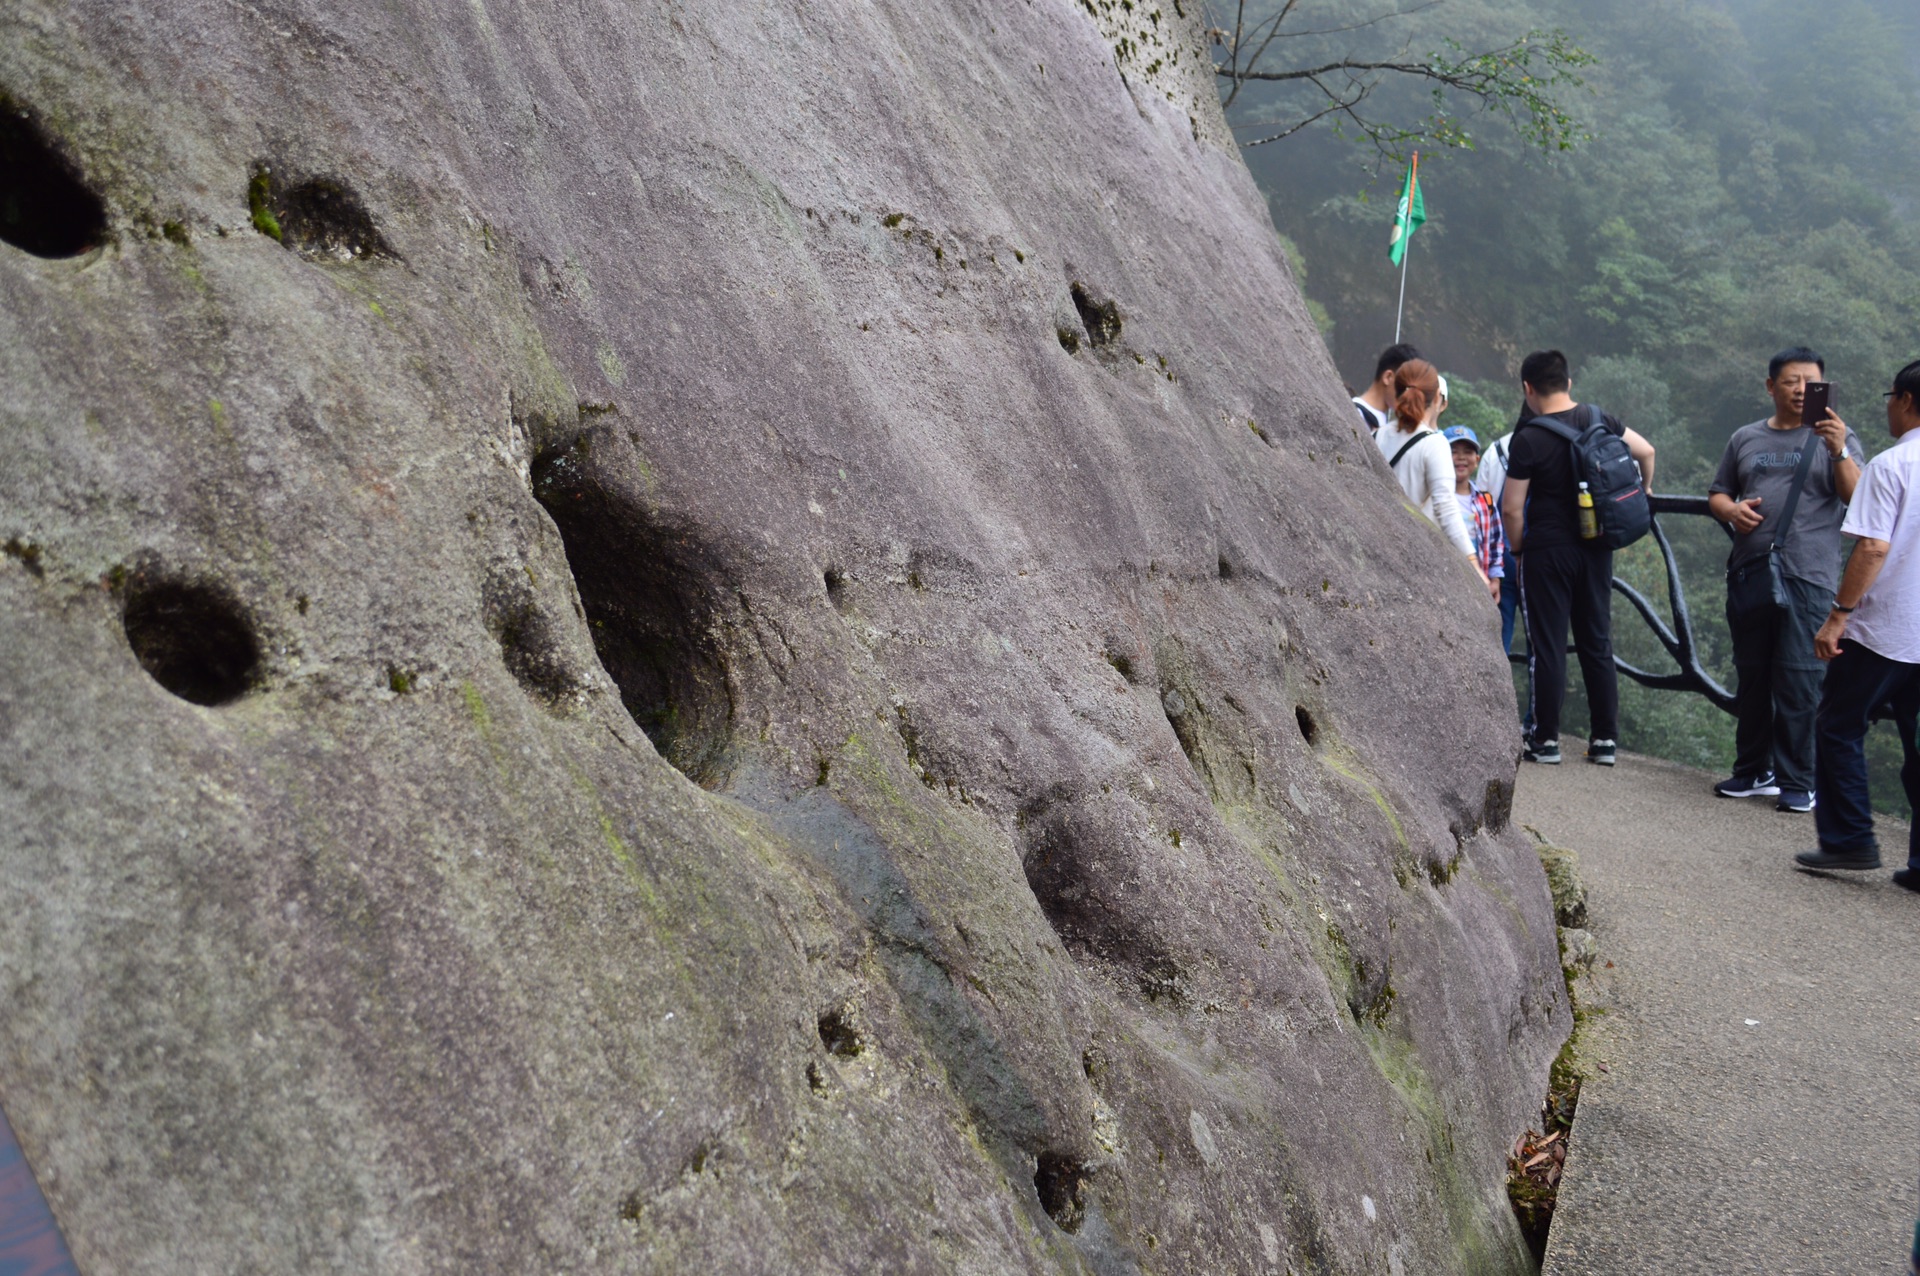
[[1860, 681], [1779, 688], [1562, 586]]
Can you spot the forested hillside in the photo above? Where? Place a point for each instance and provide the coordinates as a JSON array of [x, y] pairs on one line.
[[1750, 182]]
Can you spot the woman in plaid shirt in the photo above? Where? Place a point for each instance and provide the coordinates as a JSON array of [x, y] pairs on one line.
[[1476, 505]]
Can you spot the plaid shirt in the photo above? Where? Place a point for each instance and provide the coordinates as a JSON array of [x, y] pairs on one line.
[[1489, 539]]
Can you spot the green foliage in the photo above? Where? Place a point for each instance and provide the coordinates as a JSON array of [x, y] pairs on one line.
[[1525, 84], [1317, 312], [1325, 59], [1480, 407]]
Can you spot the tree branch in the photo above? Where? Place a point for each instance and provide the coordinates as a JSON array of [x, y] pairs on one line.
[[1520, 81]]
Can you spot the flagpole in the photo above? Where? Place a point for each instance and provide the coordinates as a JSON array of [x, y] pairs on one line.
[[1406, 248], [1405, 252]]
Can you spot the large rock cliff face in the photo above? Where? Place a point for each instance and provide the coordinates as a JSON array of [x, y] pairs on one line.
[[741, 637]]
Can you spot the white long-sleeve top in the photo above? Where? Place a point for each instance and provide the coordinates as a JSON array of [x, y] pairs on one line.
[[1426, 476]]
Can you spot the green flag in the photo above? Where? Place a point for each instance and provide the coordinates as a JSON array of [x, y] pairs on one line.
[[1410, 215]]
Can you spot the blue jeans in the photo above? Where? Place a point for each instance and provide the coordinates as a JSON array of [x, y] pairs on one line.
[[1859, 681], [1509, 599]]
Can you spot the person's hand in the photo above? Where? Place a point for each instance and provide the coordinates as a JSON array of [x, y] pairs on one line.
[[1745, 516], [1826, 643], [1493, 587], [1832, 432]]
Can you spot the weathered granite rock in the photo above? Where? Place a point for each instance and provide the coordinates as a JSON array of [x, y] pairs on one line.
[[721, 637]]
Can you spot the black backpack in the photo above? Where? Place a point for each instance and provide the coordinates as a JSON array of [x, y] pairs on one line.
[[1601, 461]]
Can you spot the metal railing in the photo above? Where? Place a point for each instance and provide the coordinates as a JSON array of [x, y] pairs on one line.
[[1690, 675]]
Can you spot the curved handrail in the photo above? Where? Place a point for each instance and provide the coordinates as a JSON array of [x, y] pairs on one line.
[[1690, 675]]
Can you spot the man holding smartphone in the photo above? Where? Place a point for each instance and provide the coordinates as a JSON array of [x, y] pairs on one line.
[[1773, 658]]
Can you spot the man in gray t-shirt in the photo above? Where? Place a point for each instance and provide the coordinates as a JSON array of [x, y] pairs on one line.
[[1773, 657]]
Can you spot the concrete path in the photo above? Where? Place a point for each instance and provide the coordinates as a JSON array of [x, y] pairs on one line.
[[1761, 1108]]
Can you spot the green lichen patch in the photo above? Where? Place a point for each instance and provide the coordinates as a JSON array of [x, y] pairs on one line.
[[260, 204]]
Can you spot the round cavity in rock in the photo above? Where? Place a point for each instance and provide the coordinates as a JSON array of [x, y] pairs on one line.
[[836, 582], [1183, 715], [1101, 318], [1061, 1183], [839, 1034], [321, 218], [650, 594], [193, 640], [1309, 729], [45, 209]]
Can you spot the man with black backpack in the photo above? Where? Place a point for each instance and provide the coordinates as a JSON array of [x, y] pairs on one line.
[[1783, 486], [1577, 484]]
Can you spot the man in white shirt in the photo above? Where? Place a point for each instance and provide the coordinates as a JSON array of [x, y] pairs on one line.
[[1871, 641], [1376, 401]]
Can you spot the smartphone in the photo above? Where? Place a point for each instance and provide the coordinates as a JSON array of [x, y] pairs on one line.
[[1820, 397]]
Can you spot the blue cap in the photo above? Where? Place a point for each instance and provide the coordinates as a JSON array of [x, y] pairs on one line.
[[1460, 434]]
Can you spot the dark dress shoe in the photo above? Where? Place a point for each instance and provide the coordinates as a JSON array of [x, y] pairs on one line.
[[1909, 878], [1851, 860]]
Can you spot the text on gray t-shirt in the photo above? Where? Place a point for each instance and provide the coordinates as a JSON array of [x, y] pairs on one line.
[[1759, 461]]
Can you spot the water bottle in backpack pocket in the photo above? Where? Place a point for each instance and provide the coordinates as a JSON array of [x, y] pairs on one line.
[[1608, 477]]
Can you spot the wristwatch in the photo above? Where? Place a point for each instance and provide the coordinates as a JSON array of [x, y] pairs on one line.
[[1844, 611]]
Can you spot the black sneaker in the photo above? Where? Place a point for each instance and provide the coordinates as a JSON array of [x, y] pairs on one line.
[[1909, 878], [1600, 752], [1850, 861], [1761, 785], [1544, 751], [1794, 800]]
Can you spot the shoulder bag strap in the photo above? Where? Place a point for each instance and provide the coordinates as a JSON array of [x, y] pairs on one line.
[[1394, 464], [1799, 481]]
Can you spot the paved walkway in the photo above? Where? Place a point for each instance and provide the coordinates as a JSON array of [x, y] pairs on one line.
[[1761, 1108]]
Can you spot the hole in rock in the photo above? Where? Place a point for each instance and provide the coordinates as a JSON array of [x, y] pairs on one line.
[[1225, 569], [45, 209], [1061, 1182], [840, 1034], [1069, 339], [1498, 809], [319, 217], [648, 593], [1102, 318], [1086, 869], [1309, 729], [1183, 716], [836, 581], [194, 640]]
